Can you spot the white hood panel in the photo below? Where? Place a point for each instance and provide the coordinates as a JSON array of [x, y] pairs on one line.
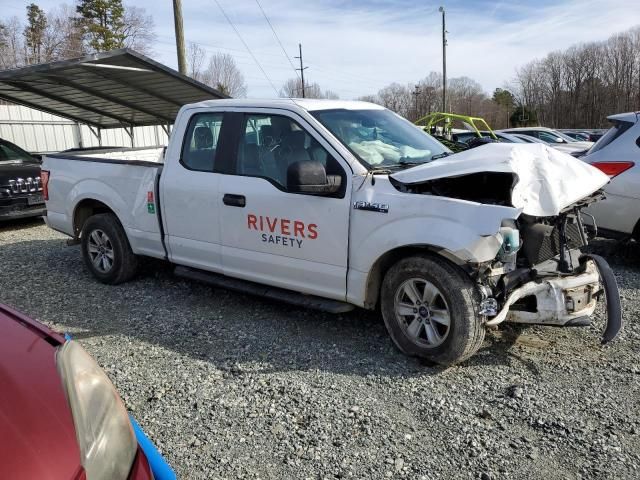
[[547, 180]]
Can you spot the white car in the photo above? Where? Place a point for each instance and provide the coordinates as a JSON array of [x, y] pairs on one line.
[[617, 154], [526, 138], [334, 204], [554, 138]]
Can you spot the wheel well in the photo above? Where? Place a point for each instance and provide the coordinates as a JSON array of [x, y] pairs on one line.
[[387, 260], [635, 234], [85, 209]]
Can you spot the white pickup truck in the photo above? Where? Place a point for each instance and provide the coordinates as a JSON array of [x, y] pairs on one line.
[[335, 204]]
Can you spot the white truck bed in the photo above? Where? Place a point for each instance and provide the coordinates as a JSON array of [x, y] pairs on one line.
[[125, 179]]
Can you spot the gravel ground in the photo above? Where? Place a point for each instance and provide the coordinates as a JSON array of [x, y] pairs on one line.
[[232, 386]]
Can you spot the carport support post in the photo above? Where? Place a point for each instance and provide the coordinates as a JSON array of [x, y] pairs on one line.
[[78, 130], [129, 131], [97, 132]]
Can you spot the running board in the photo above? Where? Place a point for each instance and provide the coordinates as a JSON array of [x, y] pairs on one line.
[[273, 293]]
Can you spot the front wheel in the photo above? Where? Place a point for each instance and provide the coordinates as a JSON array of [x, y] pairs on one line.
[[430, 309], [106, 250]]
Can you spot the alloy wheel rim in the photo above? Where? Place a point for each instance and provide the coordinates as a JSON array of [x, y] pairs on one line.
[[100, 251], [422, 312]]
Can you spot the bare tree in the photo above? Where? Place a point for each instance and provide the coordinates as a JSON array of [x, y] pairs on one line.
[[62, 37], [223, 74], [292, 88], [196, 57], [12, 53], [137, 30], [579, 87], [398, 98], [369, 98]]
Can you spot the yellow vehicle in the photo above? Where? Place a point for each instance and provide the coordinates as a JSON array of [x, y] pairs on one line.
[[442, 125]]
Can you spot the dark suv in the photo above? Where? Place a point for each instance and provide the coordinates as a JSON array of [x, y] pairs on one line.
[[20, 185]]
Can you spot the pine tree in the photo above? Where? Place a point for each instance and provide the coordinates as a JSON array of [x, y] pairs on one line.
[[34, 33], [102, 23]]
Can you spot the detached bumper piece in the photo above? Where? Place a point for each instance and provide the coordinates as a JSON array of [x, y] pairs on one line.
[[566, 300], [612, 295]]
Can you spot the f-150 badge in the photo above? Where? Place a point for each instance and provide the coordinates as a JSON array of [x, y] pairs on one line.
[[371, 206]]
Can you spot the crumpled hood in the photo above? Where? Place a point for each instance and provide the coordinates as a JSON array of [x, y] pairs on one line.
[[547, 180]]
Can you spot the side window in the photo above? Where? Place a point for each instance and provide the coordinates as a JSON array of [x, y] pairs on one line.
[[270, 144], [200, 141]]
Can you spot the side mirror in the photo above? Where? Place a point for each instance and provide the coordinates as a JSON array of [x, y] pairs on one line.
[[559, 140], [311, 177]]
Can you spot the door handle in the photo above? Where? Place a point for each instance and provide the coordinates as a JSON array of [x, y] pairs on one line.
[[234, 200]]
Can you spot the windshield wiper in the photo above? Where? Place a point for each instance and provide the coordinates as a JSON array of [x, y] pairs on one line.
[[440, 155], [406, 163]]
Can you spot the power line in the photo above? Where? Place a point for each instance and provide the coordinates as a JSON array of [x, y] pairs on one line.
[[246, 46], [278, 39]]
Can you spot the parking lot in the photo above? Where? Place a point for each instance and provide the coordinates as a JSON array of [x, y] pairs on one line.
[[232, 386]]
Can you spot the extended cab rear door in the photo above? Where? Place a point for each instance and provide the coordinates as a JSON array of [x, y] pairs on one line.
[[270, 234], [190, 200]]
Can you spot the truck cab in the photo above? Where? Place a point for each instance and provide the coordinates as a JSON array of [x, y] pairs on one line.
[[345, 203]]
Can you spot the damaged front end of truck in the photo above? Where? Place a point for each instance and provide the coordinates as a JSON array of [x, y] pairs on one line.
[[539, 274]]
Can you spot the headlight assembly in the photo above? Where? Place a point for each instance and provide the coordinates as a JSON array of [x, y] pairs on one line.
[[107, 443]]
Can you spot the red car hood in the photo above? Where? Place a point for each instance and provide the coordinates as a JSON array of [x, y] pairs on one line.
[[37, 435]]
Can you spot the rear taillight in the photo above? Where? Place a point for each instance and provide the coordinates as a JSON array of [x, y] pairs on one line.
[[613, 169], [44, 178]]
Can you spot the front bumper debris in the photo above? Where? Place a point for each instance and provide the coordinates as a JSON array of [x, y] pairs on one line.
[[567, 300]]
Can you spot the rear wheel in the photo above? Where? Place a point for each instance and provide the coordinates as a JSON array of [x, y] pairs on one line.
[[106, 250], [430, 309]]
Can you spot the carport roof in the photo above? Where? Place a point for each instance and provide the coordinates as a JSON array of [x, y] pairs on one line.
[[120, 88]]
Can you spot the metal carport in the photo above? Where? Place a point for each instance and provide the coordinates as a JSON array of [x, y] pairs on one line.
[[116, 89]]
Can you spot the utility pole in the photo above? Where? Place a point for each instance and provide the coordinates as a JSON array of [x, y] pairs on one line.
[[302, 68], [444, 63], [177, 19], [415, 94]]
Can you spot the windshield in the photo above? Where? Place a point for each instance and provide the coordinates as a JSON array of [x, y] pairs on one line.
[[10, 153], [380, 138]]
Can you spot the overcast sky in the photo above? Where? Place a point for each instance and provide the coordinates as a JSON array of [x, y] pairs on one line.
[[357, 47]]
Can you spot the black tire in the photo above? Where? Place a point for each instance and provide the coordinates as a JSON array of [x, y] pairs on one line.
[[124, 264], [465, 330]]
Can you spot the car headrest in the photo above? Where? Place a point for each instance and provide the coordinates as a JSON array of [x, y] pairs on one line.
[[266, 131], [296, 139], [203, 137]]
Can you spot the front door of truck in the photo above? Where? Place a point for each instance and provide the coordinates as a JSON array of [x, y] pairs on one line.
[[190, 203], [270, 234]]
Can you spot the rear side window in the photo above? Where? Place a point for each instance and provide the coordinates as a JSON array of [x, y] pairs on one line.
[[11, 152], [201, 141], [619, 127]]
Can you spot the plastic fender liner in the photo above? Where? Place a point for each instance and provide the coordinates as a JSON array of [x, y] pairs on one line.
[[612, 295]]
